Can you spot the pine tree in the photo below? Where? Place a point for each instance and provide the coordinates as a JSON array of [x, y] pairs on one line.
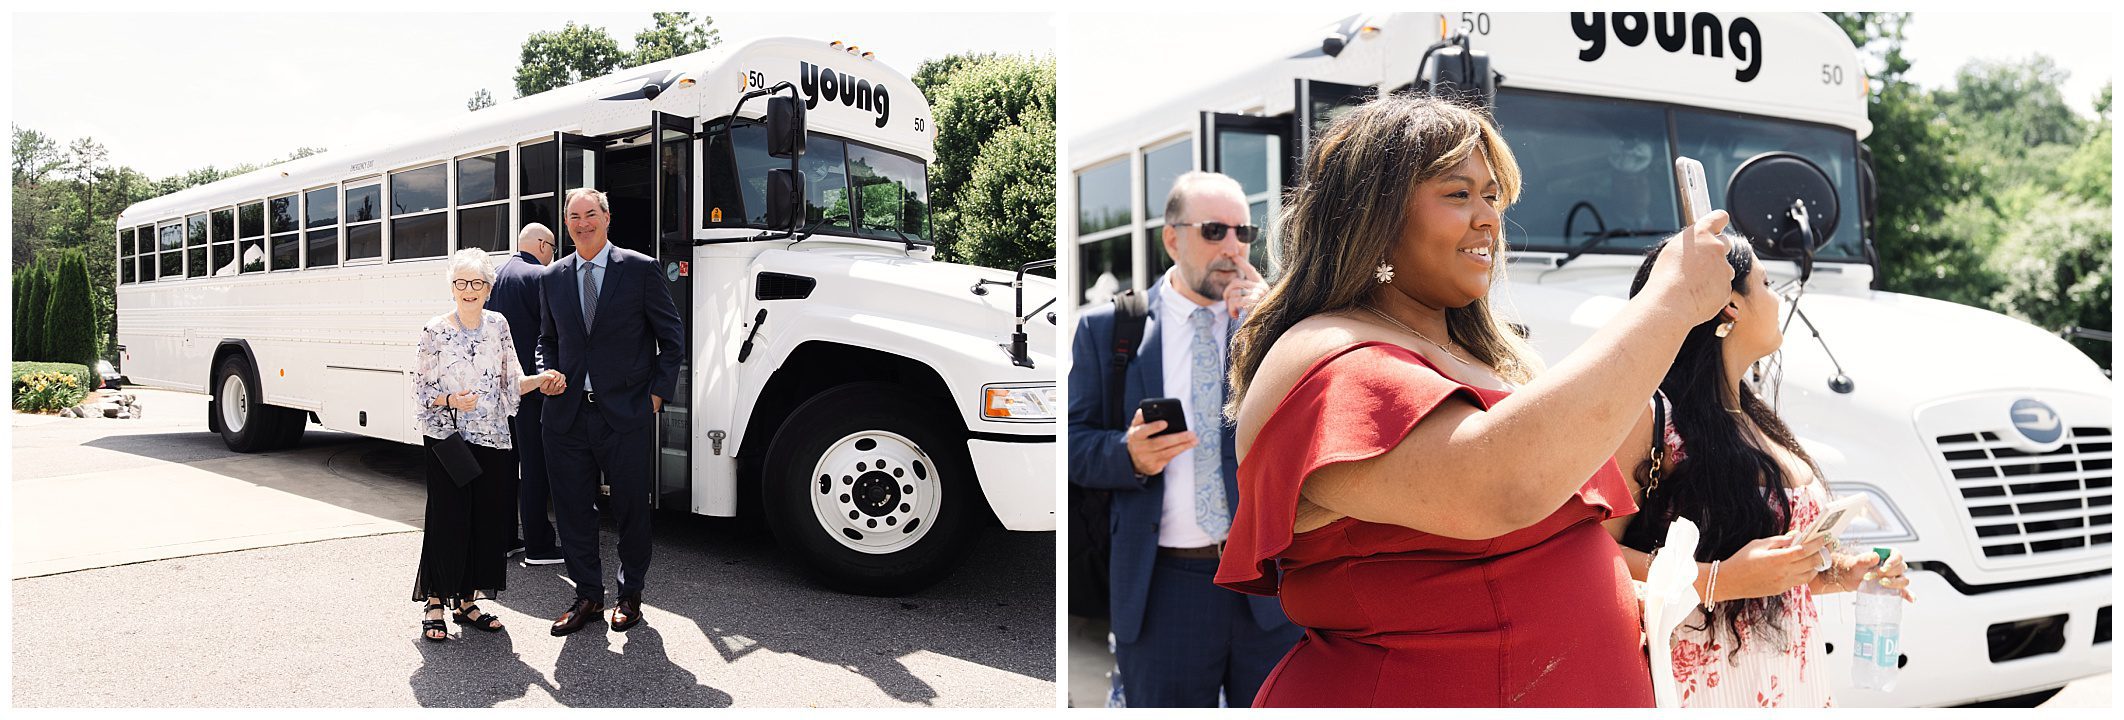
[[70, 316], [36, 291]]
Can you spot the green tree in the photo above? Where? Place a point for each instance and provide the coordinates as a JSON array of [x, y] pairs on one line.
[[480, 101], [69, 316], [675, 34], [36, 294], [563, 57], [995, 118]]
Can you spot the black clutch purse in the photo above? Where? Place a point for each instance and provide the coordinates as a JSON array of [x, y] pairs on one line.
[[455, 452]]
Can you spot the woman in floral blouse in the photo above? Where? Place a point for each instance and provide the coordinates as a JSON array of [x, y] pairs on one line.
[[465, 380], [1733, 468]]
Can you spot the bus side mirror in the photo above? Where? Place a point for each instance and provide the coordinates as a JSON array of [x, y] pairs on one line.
[[1461, 74], [785, 127], [785, 189]]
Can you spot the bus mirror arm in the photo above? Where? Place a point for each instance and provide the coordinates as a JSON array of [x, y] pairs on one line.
[[1019, 354]]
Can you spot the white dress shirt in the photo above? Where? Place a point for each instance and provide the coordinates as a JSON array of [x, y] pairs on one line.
[[1177, 527]]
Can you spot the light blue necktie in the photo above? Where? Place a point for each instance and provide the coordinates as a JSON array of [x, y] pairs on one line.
[[1206, 395], [589, 307]]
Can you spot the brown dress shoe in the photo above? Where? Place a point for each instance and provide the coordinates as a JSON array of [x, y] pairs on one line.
[[626, 613], [581, 613]]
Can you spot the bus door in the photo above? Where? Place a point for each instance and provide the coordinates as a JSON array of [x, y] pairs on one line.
[[579, 162], [672, 143], [1319, 103], [1254, 150]]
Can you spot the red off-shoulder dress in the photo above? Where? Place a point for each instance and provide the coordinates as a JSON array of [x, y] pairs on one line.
[[1543, 616]]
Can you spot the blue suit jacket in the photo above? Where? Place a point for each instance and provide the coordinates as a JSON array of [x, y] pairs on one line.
[[1098, 458], [633, 351], [516, 297]]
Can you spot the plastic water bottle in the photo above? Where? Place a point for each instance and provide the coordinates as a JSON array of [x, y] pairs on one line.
[[1877, 647]]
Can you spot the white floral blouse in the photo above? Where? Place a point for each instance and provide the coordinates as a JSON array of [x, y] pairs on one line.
[[451, 359]]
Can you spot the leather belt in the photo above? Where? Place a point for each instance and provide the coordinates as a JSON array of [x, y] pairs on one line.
[[1206, 552]]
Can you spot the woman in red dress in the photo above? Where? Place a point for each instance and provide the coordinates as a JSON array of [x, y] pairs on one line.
[[1426, 507]]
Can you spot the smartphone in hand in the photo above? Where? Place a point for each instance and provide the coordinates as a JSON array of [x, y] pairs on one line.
[[1696, 192], [1167, 409]]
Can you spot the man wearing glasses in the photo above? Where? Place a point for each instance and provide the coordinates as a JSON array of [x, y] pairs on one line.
[[1180, 640], [516, 292]]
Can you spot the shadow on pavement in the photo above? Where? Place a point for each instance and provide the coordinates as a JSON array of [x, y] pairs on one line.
[[478, 670]]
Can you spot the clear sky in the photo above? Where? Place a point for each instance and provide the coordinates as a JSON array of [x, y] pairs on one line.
[[170, 92], [1099, 85]]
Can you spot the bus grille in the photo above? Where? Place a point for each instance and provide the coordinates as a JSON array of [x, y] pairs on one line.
[[2028, 504]]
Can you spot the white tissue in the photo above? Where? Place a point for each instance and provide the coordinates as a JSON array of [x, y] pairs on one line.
[[1670, 595]]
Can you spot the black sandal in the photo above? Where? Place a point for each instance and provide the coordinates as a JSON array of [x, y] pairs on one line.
[[486, 621], [433, 625]]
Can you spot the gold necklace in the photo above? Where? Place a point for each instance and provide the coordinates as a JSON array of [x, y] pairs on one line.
[[1412, 331]]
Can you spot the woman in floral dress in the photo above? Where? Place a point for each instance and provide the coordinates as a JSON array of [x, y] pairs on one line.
[[466, 380], [1729, 465]]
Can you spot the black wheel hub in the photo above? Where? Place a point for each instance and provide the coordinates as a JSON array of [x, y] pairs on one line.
[[876, 493]]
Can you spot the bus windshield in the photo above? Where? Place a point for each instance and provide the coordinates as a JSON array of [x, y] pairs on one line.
[[1611, 163], [849, 187]]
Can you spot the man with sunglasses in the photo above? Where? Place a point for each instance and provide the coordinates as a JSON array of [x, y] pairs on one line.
[[516, 293], [1180, 640]]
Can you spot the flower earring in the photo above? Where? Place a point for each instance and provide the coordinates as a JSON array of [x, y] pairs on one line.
[[1385, 273]]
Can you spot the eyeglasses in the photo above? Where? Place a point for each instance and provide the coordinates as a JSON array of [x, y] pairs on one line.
[[1214, 231], [469, 284]]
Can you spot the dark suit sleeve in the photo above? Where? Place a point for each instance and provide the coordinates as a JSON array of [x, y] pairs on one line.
[[534, 283], [1098, 456], [663, 320], [548, 338]]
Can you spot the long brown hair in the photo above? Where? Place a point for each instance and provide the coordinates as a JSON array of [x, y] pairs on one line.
[[1351, 207]]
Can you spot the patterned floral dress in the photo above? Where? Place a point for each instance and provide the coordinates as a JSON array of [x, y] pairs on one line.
[[1768, 672], [451, 359]]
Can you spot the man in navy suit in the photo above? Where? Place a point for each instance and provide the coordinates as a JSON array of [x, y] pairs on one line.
[[1180, 640], [609, 327], [516, 297]]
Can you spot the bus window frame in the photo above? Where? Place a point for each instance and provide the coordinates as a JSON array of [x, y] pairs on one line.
[[161, 276], [1126, 228], [143, 261], [295, 199], [507, 195], [726, 125], [264, 233], [216, 241], [517, 197], [449, 195], [338, 221], [383, 214], [203, 244], [1673, 137], [127, 272]]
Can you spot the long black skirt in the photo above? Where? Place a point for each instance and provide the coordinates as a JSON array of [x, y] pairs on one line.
[[468, 529]]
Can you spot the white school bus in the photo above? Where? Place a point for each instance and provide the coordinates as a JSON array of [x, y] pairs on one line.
[[875, 404], [1985, 441]]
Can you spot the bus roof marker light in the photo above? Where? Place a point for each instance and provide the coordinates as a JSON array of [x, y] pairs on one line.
[[1368, 32]]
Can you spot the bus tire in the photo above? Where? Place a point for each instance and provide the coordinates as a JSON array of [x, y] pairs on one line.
[[872, 487], [246, 423]]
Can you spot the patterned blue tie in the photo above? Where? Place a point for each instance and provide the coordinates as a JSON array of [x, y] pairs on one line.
[[1206, 395], [589, 307]]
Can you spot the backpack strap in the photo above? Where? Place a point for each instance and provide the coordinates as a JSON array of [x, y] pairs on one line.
[[1131, 309]]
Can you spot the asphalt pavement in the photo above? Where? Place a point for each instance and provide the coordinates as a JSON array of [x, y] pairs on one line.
[[156, 569]]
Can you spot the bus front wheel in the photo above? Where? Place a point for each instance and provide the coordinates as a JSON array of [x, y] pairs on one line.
[[867, 484], [239, 412]]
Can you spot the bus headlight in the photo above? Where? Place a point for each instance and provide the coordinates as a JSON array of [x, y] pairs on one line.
[[1018, 403], [1885, 524]]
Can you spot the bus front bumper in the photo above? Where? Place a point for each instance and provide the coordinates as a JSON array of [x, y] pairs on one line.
[[1949, 639], [1019, 479]]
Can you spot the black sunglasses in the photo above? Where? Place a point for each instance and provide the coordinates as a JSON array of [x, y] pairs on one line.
[[1214, 231]]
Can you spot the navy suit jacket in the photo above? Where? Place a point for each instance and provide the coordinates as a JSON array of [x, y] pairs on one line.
[[1098, 458], [633, 351], [516, 297]]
